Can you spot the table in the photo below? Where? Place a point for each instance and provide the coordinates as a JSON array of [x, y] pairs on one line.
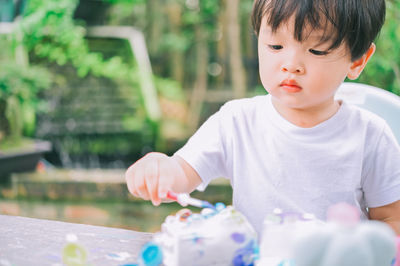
[[28, 241]]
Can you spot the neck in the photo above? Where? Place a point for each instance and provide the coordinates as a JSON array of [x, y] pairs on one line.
[[308, 117]]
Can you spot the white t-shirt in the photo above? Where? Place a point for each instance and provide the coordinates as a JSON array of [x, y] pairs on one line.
[[352, 157]]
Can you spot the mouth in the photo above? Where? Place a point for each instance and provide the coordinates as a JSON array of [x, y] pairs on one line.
[[290, 85]]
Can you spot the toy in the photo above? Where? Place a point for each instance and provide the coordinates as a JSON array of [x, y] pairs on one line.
[[367, 244], [343, 240]]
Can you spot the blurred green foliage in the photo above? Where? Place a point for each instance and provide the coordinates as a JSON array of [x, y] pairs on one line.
[[50, 32], [169, 33], [50, 35], [169, 89], [383, 70], [19, 87], [125, 1]]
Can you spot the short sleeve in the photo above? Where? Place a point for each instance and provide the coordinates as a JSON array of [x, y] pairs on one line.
[[205, 151], [381, 183]]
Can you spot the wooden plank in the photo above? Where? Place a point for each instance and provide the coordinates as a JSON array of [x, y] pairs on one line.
[[28, 241]]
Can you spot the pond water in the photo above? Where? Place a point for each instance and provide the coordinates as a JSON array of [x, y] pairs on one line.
[[139, 216], [95, 197]]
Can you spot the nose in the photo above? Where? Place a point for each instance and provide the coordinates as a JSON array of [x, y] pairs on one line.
[[293, 66]]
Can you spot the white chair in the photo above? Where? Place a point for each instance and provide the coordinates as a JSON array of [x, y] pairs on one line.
[[381, 102]]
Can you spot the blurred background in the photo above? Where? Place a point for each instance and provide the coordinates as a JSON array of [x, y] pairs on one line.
[[88, 87]]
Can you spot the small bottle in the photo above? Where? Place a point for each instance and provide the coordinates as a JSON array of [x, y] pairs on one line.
[[73, 253]]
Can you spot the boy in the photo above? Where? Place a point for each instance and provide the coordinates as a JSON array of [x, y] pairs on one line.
[[296, 148]]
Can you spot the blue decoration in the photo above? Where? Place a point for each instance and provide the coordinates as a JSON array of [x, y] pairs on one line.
[[247, 255], [220, 206], [151, 255]]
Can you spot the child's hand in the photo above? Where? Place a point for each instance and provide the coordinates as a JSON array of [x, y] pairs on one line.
[[154, 175]]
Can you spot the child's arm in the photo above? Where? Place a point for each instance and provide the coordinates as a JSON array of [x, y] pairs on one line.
[[155, 174], [389, 214]]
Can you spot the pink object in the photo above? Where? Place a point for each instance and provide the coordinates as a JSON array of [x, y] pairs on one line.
[[184, 200], [343, 213], [397, 263], [173, 196]]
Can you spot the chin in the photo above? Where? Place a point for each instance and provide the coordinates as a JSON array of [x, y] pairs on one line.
[[290, 102]]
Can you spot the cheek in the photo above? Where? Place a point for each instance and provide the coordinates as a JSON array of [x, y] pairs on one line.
[[329, 80], [265, 66], [335, 76], [265, 74], [267, 82]]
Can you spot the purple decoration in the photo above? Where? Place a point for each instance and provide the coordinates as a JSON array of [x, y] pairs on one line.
[[238, 237]]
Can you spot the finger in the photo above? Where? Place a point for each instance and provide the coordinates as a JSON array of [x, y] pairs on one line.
[[140, 184], [129, 177], [167, 173], [151, 180]]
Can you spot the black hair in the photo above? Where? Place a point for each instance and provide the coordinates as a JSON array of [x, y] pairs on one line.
[[355, 22]]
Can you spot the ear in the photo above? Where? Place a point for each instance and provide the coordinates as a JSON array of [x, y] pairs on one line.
[[358, 65]]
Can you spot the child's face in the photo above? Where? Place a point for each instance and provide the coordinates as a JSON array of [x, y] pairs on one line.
[[300, 75]]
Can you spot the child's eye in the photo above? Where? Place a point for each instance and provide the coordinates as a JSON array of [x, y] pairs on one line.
[[316, 52], [275, 47]]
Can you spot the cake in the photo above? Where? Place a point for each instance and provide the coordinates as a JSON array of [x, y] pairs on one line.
[[220, 236]]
